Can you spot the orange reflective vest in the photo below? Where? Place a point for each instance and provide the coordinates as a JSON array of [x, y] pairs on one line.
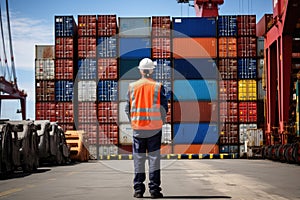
[[145, 105]]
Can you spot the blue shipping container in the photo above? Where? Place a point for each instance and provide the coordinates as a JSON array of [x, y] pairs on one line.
[[228, 149], [227, 25], [195, 69], [107, 91], [87, 69], [162, 69], [194, 27], [194, 90], [107, 47], [128, 69], [195, 133], [135, 47], [247, 68], [63, 91], [65, 26]]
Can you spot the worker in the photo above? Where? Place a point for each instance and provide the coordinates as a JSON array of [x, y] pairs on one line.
[[146, 109]]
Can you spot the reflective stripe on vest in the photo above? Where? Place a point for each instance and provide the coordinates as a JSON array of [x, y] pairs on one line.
[[145, 115]]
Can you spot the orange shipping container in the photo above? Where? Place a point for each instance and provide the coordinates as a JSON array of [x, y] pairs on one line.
[[195, 47], [227, 47], [196, 149]]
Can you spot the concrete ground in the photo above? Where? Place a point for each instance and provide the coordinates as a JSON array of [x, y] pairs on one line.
[[181, 179]]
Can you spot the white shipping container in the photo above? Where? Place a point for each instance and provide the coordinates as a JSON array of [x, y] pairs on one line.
[[44, 52], [106, 150], [44, 69], [123, 89], [135, 26], [87, 91], [122, 115], [166, 134], [255, 137], [243, 131]]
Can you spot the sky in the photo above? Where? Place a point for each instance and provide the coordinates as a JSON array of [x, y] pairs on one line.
[[32, 23]]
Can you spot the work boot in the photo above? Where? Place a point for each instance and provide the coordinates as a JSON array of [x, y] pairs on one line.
[[138, 195], [156, 195]]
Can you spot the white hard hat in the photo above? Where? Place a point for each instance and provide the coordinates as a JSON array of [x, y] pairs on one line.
[[146, 63]]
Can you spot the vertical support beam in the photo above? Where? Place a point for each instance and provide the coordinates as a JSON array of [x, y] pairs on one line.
[[23, 108]]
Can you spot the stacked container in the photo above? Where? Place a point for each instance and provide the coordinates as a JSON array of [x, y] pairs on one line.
[[86, 78], [195, 121], [107, 109], [44, 82], [228, 83], [65, 60]]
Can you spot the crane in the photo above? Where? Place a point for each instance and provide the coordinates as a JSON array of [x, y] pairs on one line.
[[205, 8], [8, 79]]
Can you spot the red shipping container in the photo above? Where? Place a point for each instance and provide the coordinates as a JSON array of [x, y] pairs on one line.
[[64, 112], [161, 48], [193, 111], [108, 112], [64, 47], [64, 69], [87, 47], [87, 25], [229, 134], [169, 113], [248, 111], [264, 25], [246, 25], [45, 111], [228, 90], [227, 47], [247, 46], [107, 25], [107, 68], [108, 134], [66, 126], [228, 112], [87, 112], [91, 130], [161, 26], [45, 90], [228, 68]]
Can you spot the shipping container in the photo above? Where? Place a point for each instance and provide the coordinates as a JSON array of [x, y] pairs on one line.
[[87, 25], [64, 112], [108, 134], [87, 47], [247, 90], [196, 149], [123, 118], [134, 26], [45, 90], [64, 47], [255, 137], [195, 90], [107, 47], [246, 25], [229, 134], [63, 91], [229, 149], [162, 69], [195, 133], [107, 90], [194, 47], [91, 130], [228, 68], [261, 92], [64, 69], [107, 68], [107, 150], [260, 47], [44, 52], [260, 68], [108, 112], [228, 90], [107, 25], [87, 69], [66, 126], [195, 111], [201, 68], [227, 26], [161, 26], [167, 87], [161, 48], [128, 69], [166, 149], [87, 112], [65, 26], [247, 47], [227, 47], [247, 68], [44, 69], [247, 112], [87, 90], [243, 131], [194, 27], [264, 25], [134, 48], [228, 112], [125, 149], [45, 111]]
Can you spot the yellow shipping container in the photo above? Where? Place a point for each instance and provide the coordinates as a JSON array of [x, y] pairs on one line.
[[247, 90]]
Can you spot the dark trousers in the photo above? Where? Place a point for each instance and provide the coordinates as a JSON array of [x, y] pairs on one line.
[[151, 145]]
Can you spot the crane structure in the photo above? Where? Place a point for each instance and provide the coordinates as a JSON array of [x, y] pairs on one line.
[[8, 80], [205, 8]]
